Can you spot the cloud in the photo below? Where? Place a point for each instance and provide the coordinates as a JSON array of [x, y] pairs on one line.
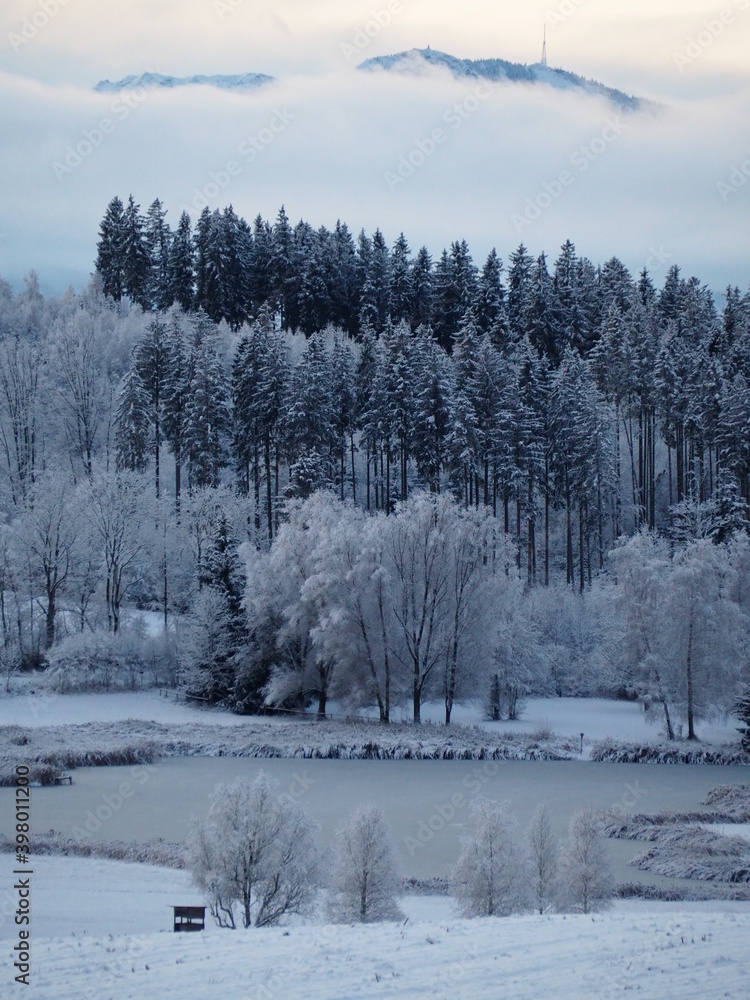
[[362, 147]]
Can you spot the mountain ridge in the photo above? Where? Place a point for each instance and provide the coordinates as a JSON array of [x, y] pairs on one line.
[[245, 81], [416, 61]]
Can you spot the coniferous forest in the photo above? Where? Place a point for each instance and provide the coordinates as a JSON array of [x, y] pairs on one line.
[[339, 468]]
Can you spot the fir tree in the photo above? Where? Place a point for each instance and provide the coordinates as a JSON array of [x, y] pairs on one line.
[[158, 241], [136, 261], [132, 423], [110, 258], [181, 267]]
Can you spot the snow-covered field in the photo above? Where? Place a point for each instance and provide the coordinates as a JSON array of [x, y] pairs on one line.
[[596, 718], [114, 943], [101, 929]]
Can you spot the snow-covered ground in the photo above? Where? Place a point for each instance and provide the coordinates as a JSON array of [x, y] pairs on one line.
[[44, 708], [729, 829], [654, 952], [596, 718], [101, 929]]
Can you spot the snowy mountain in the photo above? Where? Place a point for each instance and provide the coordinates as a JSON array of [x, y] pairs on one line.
[[419, 61], [248, 81]]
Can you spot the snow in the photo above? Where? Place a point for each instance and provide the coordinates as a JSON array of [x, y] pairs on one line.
[[247, 81], [114, 940], [103, 929], [729, 829], [49, 709], [419, 61], [597, 718]]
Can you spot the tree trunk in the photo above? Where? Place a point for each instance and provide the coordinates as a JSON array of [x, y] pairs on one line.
[[50, 620], [690, 695]]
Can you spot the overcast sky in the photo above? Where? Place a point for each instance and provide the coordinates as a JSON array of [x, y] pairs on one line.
[[656, 190]]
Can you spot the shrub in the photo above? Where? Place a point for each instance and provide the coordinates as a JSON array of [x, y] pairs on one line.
[[103, 661]]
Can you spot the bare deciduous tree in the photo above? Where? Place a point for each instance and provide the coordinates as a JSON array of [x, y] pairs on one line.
[[586, 867], [542, 851], [365, 877], [488, 879], [254, 853]]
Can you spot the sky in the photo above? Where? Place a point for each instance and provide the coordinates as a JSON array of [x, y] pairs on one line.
[[513, 163]]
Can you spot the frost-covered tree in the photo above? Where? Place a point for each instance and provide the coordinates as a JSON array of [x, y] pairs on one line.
[[47, 531], [114, 506], [586, 878], [742, 711], [489, 879], [542, 852], [254, 855], [207, 649], [702, 632], [364, 879], [132, 423]]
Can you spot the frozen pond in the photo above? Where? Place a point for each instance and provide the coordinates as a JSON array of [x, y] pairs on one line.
[[426, 802]]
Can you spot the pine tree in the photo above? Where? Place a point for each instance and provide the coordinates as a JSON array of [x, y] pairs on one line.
[[181, 267], [343, 408], [308, 427], [158, 241], [430, 423], [423, 289], [519, 292], [136, 277], [174, 395], [110, 258], [207, 422], [132, 423], [152, 364], [489, 305], [401, 284], [282, 268]]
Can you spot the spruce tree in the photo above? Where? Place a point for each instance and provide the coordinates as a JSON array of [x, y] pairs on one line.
[[158, 240], [137, 263], [110, 258], [181, 265], [132, 423]]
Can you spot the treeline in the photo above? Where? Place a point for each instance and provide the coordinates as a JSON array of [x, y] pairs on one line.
[[139, 447]]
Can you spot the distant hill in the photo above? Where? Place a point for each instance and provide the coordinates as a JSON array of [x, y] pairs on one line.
[[248, 81], [419, 61]]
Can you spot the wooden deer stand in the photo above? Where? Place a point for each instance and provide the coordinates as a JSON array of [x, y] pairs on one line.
[[189, 918]]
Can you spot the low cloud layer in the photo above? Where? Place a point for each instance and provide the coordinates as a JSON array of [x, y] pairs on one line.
[[435, 157]]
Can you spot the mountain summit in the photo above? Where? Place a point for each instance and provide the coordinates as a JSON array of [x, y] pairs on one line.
[[248, 81], [419, 61]]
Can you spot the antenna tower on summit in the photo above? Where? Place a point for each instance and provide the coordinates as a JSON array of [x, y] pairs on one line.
[[544, 47]]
